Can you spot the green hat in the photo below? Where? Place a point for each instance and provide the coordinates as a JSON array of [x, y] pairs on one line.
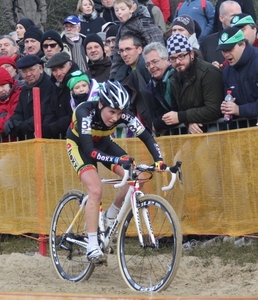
[[76, 77], [240, 20], [229, 38]]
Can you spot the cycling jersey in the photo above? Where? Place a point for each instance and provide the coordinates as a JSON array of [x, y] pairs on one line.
[[89, 140]]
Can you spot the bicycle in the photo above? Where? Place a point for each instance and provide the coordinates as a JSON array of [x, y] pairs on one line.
[[148, 259]]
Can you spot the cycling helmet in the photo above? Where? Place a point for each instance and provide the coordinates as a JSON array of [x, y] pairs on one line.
[[114, 95]]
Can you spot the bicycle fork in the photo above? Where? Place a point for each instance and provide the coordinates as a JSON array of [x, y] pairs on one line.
[[146, 218]]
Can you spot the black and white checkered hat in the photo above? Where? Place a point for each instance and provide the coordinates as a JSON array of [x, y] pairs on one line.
[[178, 43]]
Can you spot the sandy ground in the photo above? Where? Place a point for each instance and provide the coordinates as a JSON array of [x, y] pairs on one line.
[[23, 273]]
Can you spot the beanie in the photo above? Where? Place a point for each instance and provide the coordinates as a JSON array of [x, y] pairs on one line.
[[26, 23], [112, 30], [7, 60], [52, 35], [93, 37], [76, 77], [186, 22], [5, 77], [33, 32], [178, 43]]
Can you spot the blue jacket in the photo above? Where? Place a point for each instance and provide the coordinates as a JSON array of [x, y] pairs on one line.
[[193, 8], [243, 76]]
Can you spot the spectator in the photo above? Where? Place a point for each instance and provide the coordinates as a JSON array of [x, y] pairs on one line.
[[82, 88], [74, 40], [241, 73], [184, 24], [8, 47], [130, 50], [247, 7], [247, 25], [32, 39], [9, 65], [111, 40], [15, 10], [108, 13], [155, 13], [59, 113], [99, 64], [107, 25], [133, 20], [164, 6], [209, 45], [22, 121], [204, 18], [21, 27], [90, 21], [51, 43], [159, 91], [9, 96]]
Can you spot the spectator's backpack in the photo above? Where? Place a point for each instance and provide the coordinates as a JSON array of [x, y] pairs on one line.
[[203, 4]]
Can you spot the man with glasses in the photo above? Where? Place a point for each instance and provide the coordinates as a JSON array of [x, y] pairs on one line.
[[51, 43], [74, 41], [21, 123]]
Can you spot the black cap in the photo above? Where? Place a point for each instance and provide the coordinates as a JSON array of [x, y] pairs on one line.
[[52, 35], [26, 23], [93, 37], [28, 61], [58, 59], [112, 30], [229, 37], [33, 32]]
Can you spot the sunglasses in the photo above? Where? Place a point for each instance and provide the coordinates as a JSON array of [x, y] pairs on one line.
[[45, 46]]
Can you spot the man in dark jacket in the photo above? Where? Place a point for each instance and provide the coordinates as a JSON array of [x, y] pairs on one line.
[[196, 85], [22, 121], [99, 64], [59, 112], [108, 13], [241, 73]]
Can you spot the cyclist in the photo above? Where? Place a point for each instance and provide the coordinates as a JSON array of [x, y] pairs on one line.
[[89, 141]]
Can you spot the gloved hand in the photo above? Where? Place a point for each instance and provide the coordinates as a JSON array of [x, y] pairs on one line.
[[8, 127], [160, 166], [124, 161]]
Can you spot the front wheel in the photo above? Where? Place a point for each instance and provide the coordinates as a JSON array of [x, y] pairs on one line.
[[68, 257], [150, 268]]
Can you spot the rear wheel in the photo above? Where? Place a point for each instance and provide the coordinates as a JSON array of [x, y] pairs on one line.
[[152, 267], [69, 258]]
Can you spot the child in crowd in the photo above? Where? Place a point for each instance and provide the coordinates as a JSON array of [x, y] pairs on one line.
[[136, 20], [88, 16], [82, 88]]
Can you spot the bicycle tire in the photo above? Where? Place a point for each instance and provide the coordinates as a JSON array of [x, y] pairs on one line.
[[71, 263], [150, 269]]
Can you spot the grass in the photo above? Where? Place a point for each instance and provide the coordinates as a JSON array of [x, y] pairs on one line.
[[227, 252]]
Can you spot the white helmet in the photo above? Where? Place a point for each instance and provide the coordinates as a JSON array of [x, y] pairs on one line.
[[114, 95]]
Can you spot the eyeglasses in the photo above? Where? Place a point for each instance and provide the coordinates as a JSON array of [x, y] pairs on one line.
[[180, 57], [108, 42], [154, 62], [128, 49], [52, 46]]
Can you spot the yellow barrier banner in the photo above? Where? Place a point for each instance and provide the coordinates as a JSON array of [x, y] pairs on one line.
[[218, 195]]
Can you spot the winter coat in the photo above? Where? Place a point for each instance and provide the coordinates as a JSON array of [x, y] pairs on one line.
[[59, 112], [36, 10], [141, 26], [100, 70], [164, 6], [243, 76], [157, 15], [7, 106], [109, 15], [208, 49], [247, 7], [193, 8], [91, 23], [24, 114], [200, 95]]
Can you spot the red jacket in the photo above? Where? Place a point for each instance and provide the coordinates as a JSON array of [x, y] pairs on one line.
[[7, 107], [164, 7]]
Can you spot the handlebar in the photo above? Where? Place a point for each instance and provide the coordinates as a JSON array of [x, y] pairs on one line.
[[144, 168]]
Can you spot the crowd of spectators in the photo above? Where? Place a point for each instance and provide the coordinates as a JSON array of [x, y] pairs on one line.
[[176, 68]]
